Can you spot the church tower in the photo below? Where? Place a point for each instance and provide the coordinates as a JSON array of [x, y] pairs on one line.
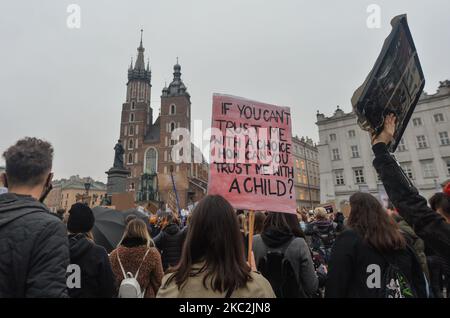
[[137, 116], [175, 113]]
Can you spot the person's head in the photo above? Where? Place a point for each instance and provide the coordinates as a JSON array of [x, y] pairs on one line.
[[369, 219], [28, 167], [167, 219], [320, 214], [260, 217], [60, 213], [130, 218], [213, 237], [440, 202], [136, 229], [283, 222], [81, 219]]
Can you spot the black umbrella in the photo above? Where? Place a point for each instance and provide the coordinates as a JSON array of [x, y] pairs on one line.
[[108, 228]]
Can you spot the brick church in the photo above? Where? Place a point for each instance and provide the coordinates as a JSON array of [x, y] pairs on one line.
[[154, 177]]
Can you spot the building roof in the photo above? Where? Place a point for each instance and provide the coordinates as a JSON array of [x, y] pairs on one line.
[[153, 134], [77, 183]]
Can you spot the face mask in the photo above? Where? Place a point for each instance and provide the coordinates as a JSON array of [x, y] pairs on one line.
[[47, 188]]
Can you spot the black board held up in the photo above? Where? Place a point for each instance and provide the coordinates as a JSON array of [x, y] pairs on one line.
[[394, 85]]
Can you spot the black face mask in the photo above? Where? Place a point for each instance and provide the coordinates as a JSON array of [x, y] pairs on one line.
[[47, 188]]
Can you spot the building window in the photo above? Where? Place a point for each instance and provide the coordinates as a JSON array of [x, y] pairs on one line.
[[447, 165], [422, 142], [125, 130], [131, 117], [130, 158], [151, 160], [443, 137], [132, 186], [438, 118], [297, 163], [417, 122], [406, 166], [336, 155], [355, 152], [351, 134], [172, 126], [359, 176], [173, 109], [402, 145], [332, 137], [130, 144], [428, 168], [133, 106], [339, 177], [131, 130]]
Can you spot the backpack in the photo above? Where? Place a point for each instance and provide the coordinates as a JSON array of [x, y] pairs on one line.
[[278, 270], [129, 287], [394, 282]]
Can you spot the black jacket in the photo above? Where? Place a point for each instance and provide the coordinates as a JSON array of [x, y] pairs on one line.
[[428, 224], [322, 234], [34, 250], [350, 268], [170, 244], [97, 279]]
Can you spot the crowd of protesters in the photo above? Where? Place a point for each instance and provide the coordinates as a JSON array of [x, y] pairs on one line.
[[399, 251]]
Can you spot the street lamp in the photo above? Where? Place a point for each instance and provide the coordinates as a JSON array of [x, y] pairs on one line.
[[87, 186]]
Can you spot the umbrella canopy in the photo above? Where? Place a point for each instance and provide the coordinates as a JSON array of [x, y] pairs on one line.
[[108, 228], [140, 215]]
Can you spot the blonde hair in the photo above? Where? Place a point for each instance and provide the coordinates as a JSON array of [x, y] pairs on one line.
[[137, 228], [321, 213]]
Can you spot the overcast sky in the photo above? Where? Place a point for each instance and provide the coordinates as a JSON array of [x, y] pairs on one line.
[[68, 85]]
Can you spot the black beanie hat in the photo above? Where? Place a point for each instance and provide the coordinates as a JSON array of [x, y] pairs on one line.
[[81, 219]]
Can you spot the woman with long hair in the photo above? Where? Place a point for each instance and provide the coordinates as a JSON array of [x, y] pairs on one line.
[[136, 253], [368, 256], [282, 242], [213, 263]]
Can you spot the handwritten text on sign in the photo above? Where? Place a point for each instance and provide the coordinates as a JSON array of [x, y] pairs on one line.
[[251, 161]]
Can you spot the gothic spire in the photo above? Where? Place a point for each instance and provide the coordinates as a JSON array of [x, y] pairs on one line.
[[140, 71], [140, 63]]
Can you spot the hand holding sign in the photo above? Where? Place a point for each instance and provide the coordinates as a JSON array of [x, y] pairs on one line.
[[387, 134]]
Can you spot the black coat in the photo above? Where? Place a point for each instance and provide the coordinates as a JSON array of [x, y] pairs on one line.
[[170, 244], [349, 271], [97, 279], [429, 225], [34, 249]]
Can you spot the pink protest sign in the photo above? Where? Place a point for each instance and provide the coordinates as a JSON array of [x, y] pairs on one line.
[[251, 162]]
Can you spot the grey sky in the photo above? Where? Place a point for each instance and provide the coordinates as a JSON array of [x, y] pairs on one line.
[[68, 85]]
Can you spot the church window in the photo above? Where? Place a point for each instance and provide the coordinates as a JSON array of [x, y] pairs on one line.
[[130, 158], [151, 161], [173, 109], [131, 117]]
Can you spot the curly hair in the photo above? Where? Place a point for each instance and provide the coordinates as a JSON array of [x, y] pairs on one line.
[[28, 161]]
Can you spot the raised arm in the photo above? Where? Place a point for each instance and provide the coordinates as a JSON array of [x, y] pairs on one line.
[[428, 224]]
